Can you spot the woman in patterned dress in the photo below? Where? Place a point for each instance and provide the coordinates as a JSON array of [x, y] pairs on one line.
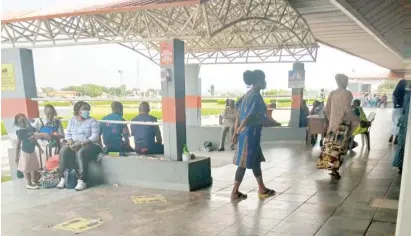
[[341, 122], [247, 135], [402, 133]]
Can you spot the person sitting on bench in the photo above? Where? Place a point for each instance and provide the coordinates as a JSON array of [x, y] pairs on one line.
[[115, 136], [49, 130], [82, 137], [147, 138]]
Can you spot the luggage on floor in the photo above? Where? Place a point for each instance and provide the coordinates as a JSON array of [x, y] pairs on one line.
[[50, 179], [53, 163], [70, 175]]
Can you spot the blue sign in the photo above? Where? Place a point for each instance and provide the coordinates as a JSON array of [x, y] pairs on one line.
[[296, 79]]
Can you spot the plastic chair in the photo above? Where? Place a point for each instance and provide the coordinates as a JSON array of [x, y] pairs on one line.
[[365, 137]]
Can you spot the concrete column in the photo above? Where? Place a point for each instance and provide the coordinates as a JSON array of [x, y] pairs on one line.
[[173, 98], [193, 95], [296, 98], [18, 86], [404, 206]]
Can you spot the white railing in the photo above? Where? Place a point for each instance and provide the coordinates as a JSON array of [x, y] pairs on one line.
[[125, 122]]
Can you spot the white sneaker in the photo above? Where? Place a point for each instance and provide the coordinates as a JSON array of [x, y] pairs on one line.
[[32, 187], [80, 185], [62, 184]]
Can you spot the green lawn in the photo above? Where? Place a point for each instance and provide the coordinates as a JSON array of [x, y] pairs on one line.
[[98, 112], [5, 178]]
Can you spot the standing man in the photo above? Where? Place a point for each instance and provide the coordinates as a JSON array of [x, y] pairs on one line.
[[147, 138], [229, 115]]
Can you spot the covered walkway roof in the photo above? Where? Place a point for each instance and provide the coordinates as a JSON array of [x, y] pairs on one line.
[[215, 31], [370, 29]]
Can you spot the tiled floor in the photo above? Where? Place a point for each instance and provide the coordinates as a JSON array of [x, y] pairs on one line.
[[309, 201]]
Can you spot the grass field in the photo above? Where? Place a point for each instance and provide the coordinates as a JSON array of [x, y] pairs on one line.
[[98, 112], [102, 108], [5, 178]]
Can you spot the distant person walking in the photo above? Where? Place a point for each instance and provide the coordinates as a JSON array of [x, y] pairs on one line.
[[247, 136], [341, 122], [229, 115]]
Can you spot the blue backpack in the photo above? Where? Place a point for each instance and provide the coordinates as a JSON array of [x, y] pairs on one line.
[[49, 129]]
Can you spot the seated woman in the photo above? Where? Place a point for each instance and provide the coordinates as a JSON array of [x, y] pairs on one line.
[[270, 122], [318, 108], [82, 137], [147, 138], [115, 136]]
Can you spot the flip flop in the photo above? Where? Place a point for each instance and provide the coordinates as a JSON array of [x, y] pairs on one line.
[[239, 195], [268, 193]]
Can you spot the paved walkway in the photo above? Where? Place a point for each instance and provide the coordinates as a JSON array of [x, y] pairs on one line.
[[309, 201]]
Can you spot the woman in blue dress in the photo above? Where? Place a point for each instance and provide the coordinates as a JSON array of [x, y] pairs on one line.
[[247, 136], [402, 133]]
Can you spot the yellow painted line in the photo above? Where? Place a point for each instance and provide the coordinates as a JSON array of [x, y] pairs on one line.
[[78, 225], [148, 199]]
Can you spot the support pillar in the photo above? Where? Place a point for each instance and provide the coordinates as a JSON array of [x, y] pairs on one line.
[[193, 95], [18, 87], [296, 96], [173, 98]]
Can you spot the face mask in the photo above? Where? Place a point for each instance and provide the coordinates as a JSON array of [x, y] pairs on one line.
[[85, 114]]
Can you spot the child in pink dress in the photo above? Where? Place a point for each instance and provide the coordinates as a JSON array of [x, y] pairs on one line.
[[26, 157]]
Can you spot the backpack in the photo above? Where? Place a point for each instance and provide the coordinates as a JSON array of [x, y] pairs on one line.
[[50, 178], [49, 129], [53, 143], [52, 163], [70, 175]]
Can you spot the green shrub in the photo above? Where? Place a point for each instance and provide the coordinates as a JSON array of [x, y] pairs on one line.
[[3, 129]]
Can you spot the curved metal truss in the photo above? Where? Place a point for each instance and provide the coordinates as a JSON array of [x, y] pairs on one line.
[[215, 31]]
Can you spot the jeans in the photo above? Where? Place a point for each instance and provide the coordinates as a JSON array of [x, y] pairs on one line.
[[155, 148], [70, 159]]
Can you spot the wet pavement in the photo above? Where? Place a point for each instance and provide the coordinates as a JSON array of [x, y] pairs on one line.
[[309, 201]]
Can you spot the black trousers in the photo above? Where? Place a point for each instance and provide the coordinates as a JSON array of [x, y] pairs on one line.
[[78, 160], [239, 174]]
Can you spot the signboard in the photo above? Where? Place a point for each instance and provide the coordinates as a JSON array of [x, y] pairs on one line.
[[166, 54], [79, 225], [8, 81], [296, 79], [148, 199]]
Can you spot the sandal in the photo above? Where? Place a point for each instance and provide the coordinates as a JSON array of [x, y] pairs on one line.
[[335, 174], [268, 193], [239, 195]]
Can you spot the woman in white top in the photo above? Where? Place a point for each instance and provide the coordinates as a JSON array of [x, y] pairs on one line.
[[82, 136]]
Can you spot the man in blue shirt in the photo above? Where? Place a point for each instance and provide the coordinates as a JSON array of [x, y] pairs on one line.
[[147, 138], [115, 136]]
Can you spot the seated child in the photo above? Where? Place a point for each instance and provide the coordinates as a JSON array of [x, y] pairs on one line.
[[356, 104]]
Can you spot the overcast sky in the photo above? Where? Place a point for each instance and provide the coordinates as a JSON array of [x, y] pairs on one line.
[[99, 64]]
